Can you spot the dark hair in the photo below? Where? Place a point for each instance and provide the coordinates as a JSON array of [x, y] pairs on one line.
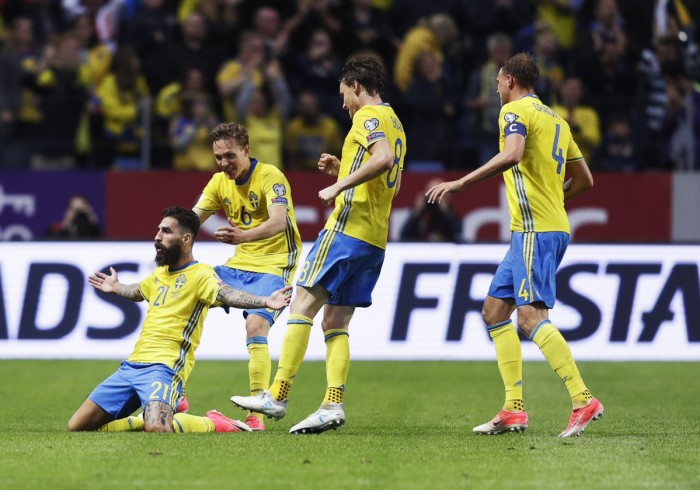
[[230, 131], [186, 218], [367, 72], [523, 68]]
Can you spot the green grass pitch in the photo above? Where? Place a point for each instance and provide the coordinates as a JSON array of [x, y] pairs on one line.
[[409, 427]]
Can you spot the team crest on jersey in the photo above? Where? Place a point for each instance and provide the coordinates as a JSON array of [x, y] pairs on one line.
[[180, 281], [254, 200], [510, 117], [371, 124]]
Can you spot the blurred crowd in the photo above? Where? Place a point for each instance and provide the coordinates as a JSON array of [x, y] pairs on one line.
[[136, 84]]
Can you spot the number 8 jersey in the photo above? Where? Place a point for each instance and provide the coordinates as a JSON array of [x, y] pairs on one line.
[[534, 186], [362, 212]]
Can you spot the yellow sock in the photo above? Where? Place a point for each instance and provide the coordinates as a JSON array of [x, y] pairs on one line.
[[259, 366], [134, 422], [184, 422], [558, 355], [296, 340], [337, 364], [510, 363]]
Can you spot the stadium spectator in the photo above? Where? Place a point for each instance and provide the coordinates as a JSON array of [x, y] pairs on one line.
[[223, 22], [311, 15], [310, 133], [264, 111], [316, 69], [617, 153], [681, 124], [343, 266], [246, 67], [21, 114], [257, 201], [151, 31], [366, 27], [430, 106], [525, 279], [611, 81], [195, 49], [123, 97], [583, 120], [64, 86], [158, 360], [189, 133], [433, 34], [80, 221], [96, 55], [482, 102], [549, 62], [429, 222]]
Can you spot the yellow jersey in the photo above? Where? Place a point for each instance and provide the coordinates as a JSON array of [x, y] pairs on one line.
[[246, 203], [179, 300], [535, 185], [362, 212]]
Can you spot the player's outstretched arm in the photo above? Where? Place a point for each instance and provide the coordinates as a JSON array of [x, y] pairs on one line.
[[110, 284], [240, 299]]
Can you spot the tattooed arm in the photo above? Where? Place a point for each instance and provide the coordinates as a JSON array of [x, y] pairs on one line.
[[110, 284], [240, 299]]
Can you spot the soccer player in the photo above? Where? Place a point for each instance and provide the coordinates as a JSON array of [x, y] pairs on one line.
[[343, 266], [536, 152], [179, 292], [257, 200]]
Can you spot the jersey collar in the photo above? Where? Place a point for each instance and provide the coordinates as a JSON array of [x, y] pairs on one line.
[[183, 267], [253, 163]]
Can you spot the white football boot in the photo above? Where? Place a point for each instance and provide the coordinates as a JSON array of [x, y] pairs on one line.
[[262, 403], [329, 416]]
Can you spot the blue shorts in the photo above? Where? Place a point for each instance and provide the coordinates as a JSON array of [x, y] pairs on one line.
[[527, 273], [254, 283], [347, 267], [133, 385]]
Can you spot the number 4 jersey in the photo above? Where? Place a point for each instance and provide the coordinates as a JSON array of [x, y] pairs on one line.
[[362, 212], [535, 185]]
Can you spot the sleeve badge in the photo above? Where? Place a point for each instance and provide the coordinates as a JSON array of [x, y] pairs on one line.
[[371, 124], [510, 117]]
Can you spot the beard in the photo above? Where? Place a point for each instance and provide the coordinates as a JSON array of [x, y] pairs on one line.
[[168, 255]]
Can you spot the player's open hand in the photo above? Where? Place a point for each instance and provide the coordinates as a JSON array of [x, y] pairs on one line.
[[103, 282], [231, 234], [329, 164], [279, 299], [436, 193]]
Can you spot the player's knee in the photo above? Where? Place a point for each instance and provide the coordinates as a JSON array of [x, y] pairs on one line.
[[75, 424], [158, 428], [526, 325], [257, 326], [489, 316]]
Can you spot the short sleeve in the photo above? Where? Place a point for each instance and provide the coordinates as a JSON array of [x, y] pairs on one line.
[[209, 200], [209, 283], [276, 189]]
